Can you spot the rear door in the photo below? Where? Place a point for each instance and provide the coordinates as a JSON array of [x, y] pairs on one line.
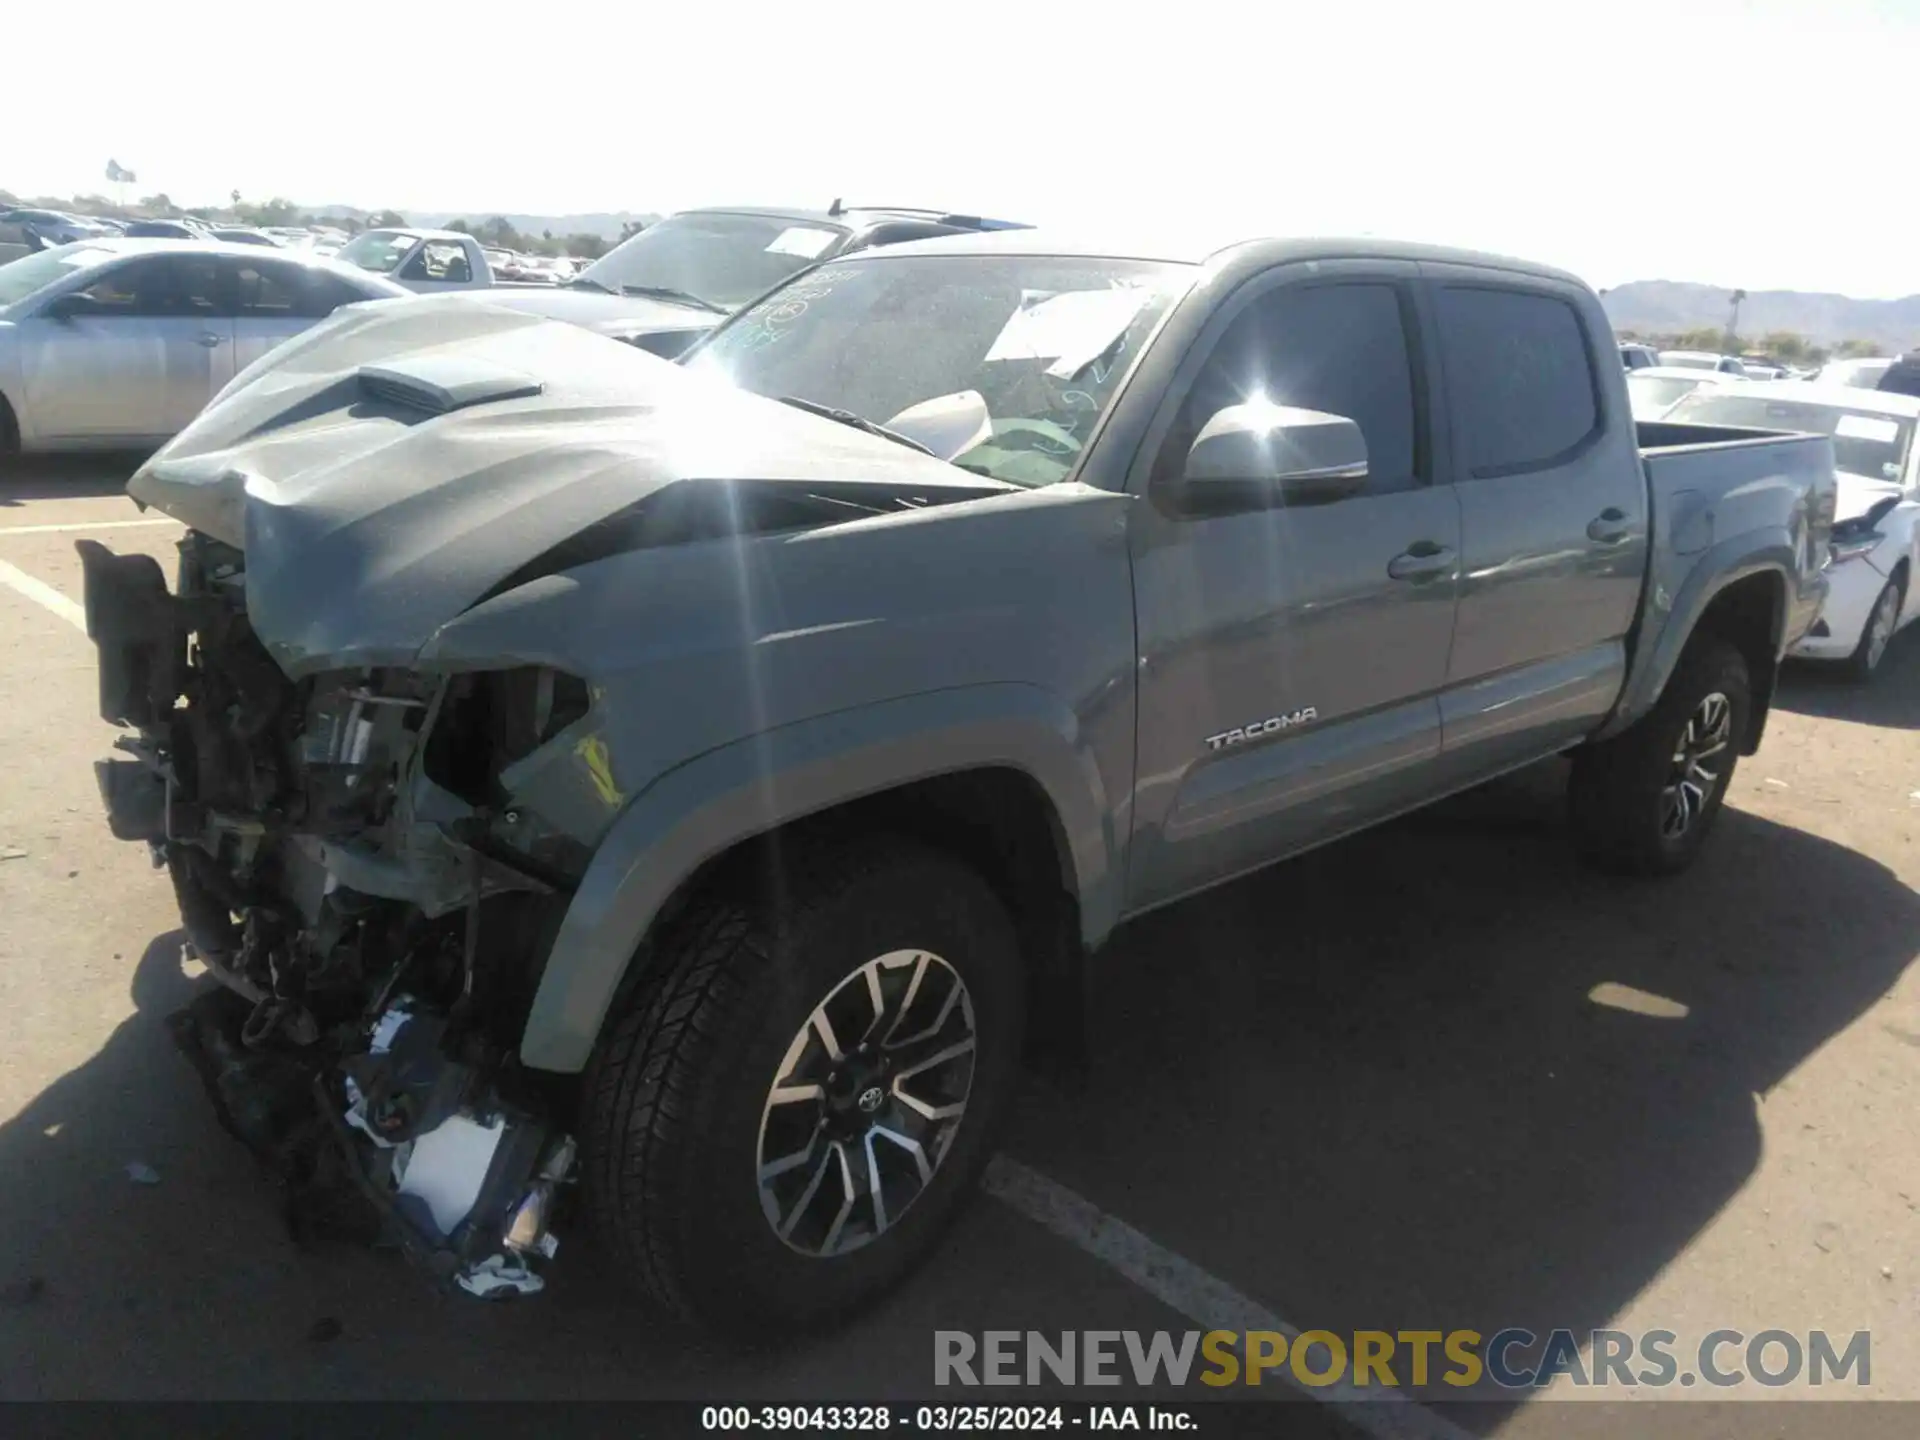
[[200, 330], [271, 303], [1291, 657], [1553, 506]]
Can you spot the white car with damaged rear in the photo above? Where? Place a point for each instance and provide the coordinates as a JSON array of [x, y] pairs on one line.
[[117, 344], [1876, 530]]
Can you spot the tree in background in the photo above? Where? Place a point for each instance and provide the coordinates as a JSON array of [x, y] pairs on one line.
[[1858, 350], [1786, 346], [1704, 337], [1733, 324], [385, 219]]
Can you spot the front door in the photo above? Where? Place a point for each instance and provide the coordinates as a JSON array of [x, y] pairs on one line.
[[123, 368], [1291, 657]]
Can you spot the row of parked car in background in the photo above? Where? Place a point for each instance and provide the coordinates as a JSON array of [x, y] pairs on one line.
[[36, 229], [1868, 409], [116, 335]]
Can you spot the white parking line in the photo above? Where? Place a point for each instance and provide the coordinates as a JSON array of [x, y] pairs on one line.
[[85, 525], [43, 594], [1203, 1298]]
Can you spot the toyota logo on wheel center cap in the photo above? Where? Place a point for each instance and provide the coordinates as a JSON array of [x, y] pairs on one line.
[[871, 1099]]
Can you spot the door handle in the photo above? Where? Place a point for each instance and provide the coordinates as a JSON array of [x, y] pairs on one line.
[[1609, 527], [1421, 562], [208, 339]]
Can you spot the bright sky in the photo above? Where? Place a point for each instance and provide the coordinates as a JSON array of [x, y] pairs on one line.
[[1761, 143]]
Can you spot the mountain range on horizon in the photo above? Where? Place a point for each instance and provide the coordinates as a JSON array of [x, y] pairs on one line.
[[1670, 307]]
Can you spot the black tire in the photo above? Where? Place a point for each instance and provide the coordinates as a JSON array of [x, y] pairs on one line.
[[1861, 666], [9, 439], [1619, 800], [679, 1085]]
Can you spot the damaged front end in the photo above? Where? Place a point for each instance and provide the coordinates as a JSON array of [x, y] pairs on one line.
[[376, 912]]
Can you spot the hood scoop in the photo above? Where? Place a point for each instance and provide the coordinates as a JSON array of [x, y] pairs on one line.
[[441, 384]]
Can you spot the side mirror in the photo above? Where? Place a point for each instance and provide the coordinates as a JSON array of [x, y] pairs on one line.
[[70, 306], [948, 425], [1253, 455]]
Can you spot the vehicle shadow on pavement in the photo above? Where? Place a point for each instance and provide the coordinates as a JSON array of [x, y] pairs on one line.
[[1891, 698], [66, 477], [1370, 1088]]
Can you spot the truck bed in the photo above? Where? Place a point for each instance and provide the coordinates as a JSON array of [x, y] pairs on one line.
[[1723, 499]]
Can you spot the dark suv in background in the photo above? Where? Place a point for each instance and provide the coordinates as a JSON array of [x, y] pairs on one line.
[[665, 287]]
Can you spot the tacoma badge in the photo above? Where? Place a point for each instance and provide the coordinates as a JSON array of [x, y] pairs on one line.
[[1261, 729]]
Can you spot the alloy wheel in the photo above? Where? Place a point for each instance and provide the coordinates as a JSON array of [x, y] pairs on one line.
[[1886, 611], [1691, 781], [866, 1103]]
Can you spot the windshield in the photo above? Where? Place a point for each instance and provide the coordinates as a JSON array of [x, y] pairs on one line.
[[1689, 362], [377, 250], [1043, 340], [1650, 395], [722, 259], [35, 272], [1864, 443]]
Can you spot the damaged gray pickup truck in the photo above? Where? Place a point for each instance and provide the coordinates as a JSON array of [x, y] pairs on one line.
[[676, 795]]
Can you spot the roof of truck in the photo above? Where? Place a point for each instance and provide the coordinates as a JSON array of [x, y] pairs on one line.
[[1198, 246]]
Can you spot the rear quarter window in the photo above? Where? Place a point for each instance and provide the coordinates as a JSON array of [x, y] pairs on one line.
[[1521, 375]]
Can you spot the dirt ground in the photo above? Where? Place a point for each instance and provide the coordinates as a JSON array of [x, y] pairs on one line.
[[1372, 1089]]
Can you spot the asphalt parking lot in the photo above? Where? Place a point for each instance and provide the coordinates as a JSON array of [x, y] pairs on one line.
[[1372, 1089]]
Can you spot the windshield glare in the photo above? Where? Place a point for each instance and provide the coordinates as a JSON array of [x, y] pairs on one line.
[[32, 273], [1864, 443], [1043, 340], [377, 250], [724, 259]]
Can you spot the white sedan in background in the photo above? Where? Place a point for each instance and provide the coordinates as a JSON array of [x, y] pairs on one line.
[[1876, 533], [117, 344]]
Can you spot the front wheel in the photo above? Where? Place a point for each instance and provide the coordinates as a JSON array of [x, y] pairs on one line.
[[1644, 802], [1882, 621], [780, 1126]]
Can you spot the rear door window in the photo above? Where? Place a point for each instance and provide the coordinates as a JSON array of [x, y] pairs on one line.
[[1521, 376], [266, 291]]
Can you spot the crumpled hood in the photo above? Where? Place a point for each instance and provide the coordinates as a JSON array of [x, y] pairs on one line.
[[388, 468]]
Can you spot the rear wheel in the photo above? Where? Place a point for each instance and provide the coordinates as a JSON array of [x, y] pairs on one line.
[[1877, 634], [780, 1126], [9, 438], [1644, 802]]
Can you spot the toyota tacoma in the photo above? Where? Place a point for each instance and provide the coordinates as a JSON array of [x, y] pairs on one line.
[[675, 794]]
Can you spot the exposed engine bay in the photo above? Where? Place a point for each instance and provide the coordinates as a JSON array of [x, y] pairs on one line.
[[377, 915]]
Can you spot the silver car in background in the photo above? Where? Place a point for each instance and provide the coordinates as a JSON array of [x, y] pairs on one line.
[[115, 343]]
